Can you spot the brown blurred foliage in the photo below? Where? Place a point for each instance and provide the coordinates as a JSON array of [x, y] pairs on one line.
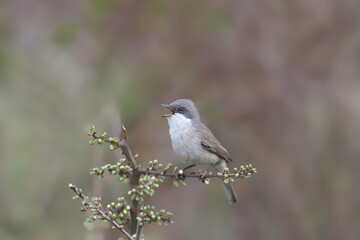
[[276, 81]]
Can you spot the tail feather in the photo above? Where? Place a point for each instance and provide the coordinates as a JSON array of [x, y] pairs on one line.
[[229, 190], [230, 193]]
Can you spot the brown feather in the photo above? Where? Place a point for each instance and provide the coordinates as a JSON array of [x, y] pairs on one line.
[[210, 143]]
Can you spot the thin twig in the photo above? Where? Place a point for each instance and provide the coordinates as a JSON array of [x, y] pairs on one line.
[[192, 174], [91, 205], [134, 177], [123, 145], [138, 231]]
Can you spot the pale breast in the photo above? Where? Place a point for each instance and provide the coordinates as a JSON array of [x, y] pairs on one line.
[[187, 146]]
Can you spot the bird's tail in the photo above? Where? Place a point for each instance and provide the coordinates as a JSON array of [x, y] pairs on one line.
[[229, 190], [230, 193]]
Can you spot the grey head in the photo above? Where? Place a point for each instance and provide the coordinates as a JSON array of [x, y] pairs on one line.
[[185, 107]]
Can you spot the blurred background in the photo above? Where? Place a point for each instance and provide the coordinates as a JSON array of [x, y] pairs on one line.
[[276, 81]]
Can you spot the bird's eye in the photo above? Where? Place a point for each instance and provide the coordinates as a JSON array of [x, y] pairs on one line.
[[181, 110]]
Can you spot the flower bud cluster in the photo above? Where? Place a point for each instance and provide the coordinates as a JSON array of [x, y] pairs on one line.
[[244, 172], [154, 165], [148, 215], [122, 171], [147, 186]]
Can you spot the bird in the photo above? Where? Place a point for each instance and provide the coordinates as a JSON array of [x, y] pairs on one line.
[[194, 143]]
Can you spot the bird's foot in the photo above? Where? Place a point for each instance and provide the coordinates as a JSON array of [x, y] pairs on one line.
[[202, 176]]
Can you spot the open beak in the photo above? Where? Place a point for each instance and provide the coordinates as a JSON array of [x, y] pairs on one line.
[[170, 108]]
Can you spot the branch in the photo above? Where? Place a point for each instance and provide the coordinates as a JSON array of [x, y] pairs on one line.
[[123, 145], [197, 174], [135, 176], [139, 230], [156, 170], [90, 205]]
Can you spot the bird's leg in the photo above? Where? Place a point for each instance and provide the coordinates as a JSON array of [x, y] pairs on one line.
[[202, 175], [182, 177]]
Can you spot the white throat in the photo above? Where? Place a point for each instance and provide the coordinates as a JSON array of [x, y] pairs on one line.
[[178, 122]]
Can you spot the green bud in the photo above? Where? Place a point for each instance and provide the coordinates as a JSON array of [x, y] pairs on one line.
[[183, 183], [70, 185], [92, 128], [206, 181], [111, 147], [91, 142], [176, 184], [76, 197], [100, 141], [168, 167], [103, 135], [226, 181]]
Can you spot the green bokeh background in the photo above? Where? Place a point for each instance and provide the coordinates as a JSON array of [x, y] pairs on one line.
[[278, 82]]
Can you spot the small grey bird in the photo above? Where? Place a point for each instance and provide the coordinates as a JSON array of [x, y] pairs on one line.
[[194, 143]]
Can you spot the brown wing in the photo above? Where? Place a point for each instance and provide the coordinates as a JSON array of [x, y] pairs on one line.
[[210, 143]]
